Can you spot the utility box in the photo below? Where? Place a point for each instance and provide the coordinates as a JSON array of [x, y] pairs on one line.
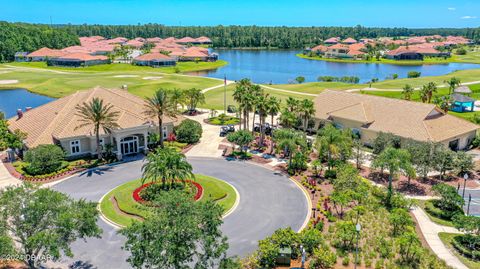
[[284, 256]]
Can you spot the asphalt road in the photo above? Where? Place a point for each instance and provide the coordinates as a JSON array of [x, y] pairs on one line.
[[268, 201]]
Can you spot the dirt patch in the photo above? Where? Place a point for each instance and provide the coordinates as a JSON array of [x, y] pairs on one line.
[[9, 81], [125, 76], [151, 78]]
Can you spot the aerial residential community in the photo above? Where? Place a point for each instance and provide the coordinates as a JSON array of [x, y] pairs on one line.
[[199, 138]]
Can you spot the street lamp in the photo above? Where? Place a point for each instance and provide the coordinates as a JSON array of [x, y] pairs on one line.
[[465, 177], [358, 227], [304, 256], [469, 201]]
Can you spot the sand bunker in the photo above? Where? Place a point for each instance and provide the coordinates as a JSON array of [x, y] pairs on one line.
[[12, 81], [152, 78], [125, 76]]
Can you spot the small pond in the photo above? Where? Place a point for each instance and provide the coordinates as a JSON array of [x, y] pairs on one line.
[[11, 100]]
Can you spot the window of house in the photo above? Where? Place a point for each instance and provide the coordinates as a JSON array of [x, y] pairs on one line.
[[75, 146]]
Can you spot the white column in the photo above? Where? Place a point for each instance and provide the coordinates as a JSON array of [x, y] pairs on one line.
[[145, 142], [119, 149]]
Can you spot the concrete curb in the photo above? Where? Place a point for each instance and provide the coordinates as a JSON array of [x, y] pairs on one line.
[[309, 201], [235, 205]]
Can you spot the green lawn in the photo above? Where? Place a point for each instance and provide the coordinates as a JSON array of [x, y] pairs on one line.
[[447, 239], [214, 189], [58, 83], [421, 204]]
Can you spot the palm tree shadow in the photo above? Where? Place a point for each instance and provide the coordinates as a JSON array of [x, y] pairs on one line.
[[96, 171], [81, 265]]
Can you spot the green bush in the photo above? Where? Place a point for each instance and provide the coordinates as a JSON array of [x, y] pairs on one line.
[[189, 131], [462, 244], [44, 159], [461, 51], [330, 174], [223, 119], [346, 261], [414, 74]]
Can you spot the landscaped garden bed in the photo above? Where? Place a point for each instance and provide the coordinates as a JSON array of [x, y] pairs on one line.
[[126, 207], [448, 240], [222, 119]]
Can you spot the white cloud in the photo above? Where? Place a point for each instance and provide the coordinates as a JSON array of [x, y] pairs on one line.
[[452, 8], [468, 17]]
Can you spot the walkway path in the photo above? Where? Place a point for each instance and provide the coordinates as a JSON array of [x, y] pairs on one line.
[[218, 86], [5, 178], [430, 232], [287, 91]]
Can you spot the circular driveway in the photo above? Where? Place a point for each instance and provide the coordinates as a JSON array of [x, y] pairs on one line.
[[268, 201]]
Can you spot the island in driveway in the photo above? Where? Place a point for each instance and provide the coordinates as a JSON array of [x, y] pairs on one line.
[[56, 123]]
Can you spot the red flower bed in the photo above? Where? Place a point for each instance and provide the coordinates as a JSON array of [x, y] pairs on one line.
[[138, 198]]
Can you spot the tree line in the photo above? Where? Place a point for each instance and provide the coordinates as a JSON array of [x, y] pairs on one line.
[[28, 37], [15, 37]]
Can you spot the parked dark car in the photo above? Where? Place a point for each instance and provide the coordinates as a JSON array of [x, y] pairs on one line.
[[231, 109], [225, 130], [267, 127]]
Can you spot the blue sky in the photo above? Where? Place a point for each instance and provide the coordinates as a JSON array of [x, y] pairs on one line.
[[403, 13]]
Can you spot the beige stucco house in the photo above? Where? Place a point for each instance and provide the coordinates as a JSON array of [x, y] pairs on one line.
[[368, 115], [56, 123]]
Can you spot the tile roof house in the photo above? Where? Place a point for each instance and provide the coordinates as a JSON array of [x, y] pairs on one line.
[[154, 59], [345, 51], [332, 41], [415, 52], [369, 115], [56, 123], [349, 41], [78, 59], [43, 54]]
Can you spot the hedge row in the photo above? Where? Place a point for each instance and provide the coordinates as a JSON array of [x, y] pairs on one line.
[[459, 243]]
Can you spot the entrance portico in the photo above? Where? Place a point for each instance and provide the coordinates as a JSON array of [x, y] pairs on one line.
[[131, 141]]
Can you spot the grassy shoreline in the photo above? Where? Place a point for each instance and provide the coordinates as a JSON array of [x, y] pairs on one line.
[[428, 61]]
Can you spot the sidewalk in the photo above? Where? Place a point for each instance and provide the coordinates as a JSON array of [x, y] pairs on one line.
[[430, 232], [6, 179]]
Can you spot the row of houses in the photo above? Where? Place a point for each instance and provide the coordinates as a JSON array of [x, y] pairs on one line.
[[414, 48], [366, 115], [96, 50]]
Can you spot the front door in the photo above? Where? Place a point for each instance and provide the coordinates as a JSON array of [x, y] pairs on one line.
[[129, 145]]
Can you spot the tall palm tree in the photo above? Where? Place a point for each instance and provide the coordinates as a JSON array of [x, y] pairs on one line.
[[273, 107], [239, 97], [407, 92], [158, 106], [193, 97], [289, 140], [452, 83], [99, 115], [432, 88], [330, 141], [307, 110], [255, 91], [292, 104], [287, 118], [262, 108], [178, 98], [424, 93], [166, 165]]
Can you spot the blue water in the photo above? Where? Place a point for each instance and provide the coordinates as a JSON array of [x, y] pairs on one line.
[[11, 100], [282, 66]]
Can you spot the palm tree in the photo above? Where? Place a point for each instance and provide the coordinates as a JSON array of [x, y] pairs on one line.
[[407, 92], [452, 83], [289, 140], [292, 104], [99, 115], [424, 93], [307, 110], [239, 96], [431, 89], [330, 141], [166, 164], [178, 98], [255, 91], [273, 107], [287, 118], [158, 106], [395, 160], [262, 108], [193, 97]]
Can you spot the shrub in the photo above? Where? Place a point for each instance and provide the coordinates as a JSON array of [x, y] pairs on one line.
[[300, 79], [330, 174], [189, 131], [464, 243], [461, 51], [44, 159], [450, 201], [323, 258], [414, 74], [346, 261], [311, 239]]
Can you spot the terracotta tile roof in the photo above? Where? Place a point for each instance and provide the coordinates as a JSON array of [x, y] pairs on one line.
[[154, 39], [117, 40], [134, 43], [46, 52], [320, 48], [58, 119], [423, 122], [349, 41], [186, 40], [153, 56], [78, 49], [82, 57], [203, 39], [332, 40]]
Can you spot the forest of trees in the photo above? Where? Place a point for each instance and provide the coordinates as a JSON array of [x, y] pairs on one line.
[[16, 37], [28, 37]]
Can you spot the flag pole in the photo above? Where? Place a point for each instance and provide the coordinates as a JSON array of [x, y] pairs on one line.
[[225, 94]]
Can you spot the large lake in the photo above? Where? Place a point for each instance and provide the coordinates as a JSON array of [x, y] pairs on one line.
[[282, 66], [11, 100]]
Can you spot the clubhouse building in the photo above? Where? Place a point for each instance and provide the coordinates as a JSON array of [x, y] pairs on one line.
[[56, 123], [368, 115]]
